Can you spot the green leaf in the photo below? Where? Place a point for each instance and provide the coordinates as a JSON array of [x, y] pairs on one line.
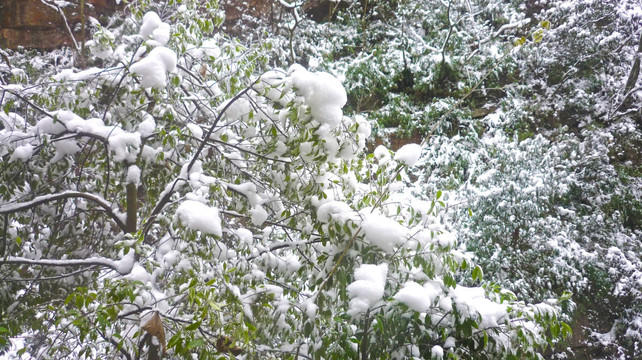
[[478, 273], [176, 339], [193, 326], [195, 343], [566, 329], [307, 329], [555, 330]]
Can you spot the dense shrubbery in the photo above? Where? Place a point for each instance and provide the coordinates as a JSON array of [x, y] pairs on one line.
[[544, 154], [180, 196]]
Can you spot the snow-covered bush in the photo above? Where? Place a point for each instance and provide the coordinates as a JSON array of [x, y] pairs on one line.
[[180, 197], [554, 128], [545, 218]]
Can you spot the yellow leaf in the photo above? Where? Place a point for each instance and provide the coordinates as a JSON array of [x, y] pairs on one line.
[[546, 24]]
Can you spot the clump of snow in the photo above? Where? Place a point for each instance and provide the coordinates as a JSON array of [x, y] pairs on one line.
[[249, 190], [196, 130], [245, 236], [382, 154], [437, 352], [368, 287], [125, 264], [322, 92], [418, 298], [446, 239], [154, 66], [238, 109], [120, 143], [472, 301], [199, 216], [64, 148], [259, 215], [309, 307], [139, 273], [161, 34], [336, 210], [133, 175], [408, 154], [383, 232], [151, 21], [155, 28], [22, 153], [147, 126], [49, 126]]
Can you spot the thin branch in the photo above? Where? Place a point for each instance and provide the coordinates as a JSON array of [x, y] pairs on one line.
[[93, 261], [39, 200], [118, 346], [29, 102], [64, 18], [49, 278], [504, 28], [168, 194]]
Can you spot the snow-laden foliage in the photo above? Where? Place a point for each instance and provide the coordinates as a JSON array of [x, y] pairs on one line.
[[180, 197], [539, 154]]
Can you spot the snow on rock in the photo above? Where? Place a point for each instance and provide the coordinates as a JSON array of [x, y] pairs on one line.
[[199, 216], [322, 92], [22, 153], [368, 287], [418, 298], [154, 66], [383, 232], [408, 154]]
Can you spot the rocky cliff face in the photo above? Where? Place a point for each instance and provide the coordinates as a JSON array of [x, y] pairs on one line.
[[48, 24]]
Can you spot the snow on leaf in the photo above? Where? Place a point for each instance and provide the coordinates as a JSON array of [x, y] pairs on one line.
[[199, 216]]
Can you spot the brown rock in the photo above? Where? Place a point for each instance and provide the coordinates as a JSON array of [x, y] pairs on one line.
[[44, 39], [235, 9], [35, 24]]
